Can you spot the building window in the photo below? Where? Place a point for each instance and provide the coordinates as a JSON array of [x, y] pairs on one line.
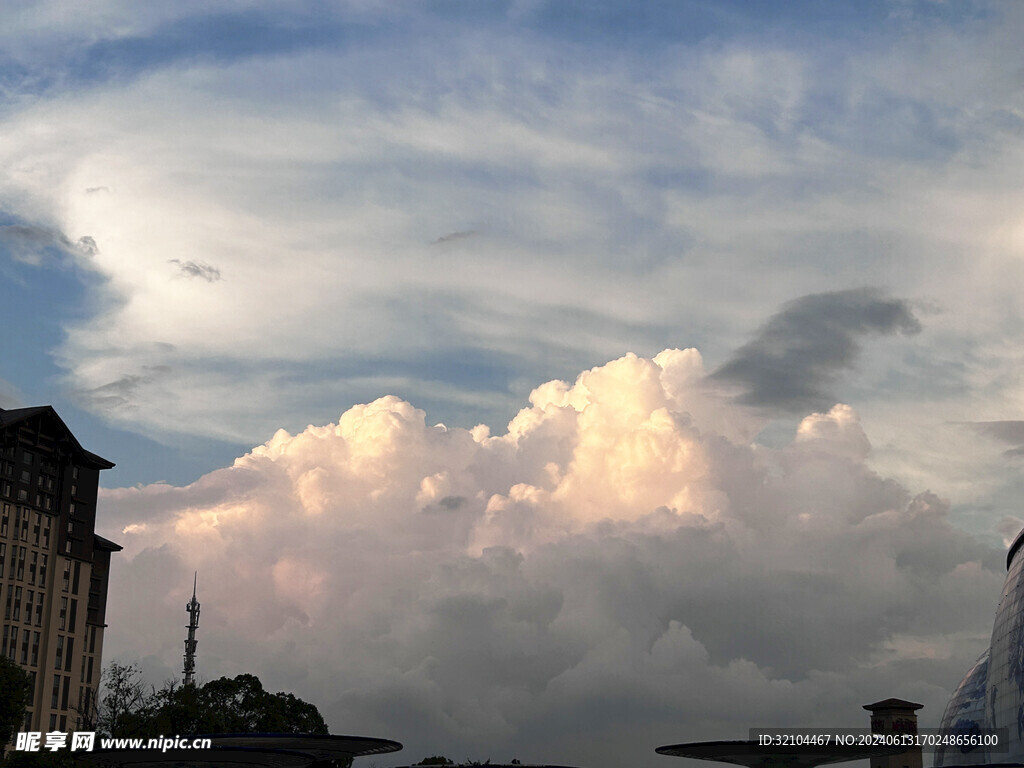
[[74, 580], [55, 696], [10, 603], [24, 648], [17, 604], [53, 720], [42, 569], [5, 489], [73, 616], [32, 567], [63, 613], [35, 529], [26, 476], [35, 648], [74, 472], [27, 458], [29, 596], [12, 647], [5, 519], [64, 699], [60, 653], [22, 494], [39, 609], [46, 533], [3, 556], [22, 551], [66, 579]]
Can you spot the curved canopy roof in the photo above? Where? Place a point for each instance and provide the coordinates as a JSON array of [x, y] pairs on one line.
[[266, 750], [751, 753]]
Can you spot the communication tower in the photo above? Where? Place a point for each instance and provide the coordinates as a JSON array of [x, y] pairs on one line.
[[190, 642]]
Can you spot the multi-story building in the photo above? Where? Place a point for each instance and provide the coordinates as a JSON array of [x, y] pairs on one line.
[[53, 566]]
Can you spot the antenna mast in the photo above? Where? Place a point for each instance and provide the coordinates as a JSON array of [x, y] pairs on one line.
[[190, 643]]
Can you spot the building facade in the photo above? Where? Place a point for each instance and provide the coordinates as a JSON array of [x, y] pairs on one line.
[[53, 566]]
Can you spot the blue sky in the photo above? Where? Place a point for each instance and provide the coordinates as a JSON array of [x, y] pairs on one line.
[[218, 223]]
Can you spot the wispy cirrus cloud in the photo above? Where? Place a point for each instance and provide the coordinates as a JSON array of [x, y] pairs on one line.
[[643, 179]]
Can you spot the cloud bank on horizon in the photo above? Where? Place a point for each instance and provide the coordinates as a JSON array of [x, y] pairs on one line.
[[622, 568]]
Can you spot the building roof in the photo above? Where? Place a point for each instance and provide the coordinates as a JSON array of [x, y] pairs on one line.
[[892, 704], [12, 416], [105, 544]]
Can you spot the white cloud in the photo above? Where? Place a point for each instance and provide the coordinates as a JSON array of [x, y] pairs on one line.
[[317, 200], [617, 204], [621, 569]]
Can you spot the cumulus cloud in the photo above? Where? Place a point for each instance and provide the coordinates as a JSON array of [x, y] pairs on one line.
[[621, 568], [798, 352]]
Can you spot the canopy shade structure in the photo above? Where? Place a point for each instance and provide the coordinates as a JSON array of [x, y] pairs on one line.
[[267, 750], [755, 755]]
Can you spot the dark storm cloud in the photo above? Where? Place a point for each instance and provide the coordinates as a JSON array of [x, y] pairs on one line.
[[1011, 432], [454, 236], [207, 272], [798, 352], [1004, 431]]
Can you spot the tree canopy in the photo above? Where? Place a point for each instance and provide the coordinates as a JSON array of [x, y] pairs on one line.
[[225, 705], [15, 692]]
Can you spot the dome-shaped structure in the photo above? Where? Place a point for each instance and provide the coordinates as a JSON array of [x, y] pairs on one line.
[[965, 714], [991, 695], [1004, 693]]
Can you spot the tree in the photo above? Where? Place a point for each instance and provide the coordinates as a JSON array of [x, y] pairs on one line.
[[435, 760], [124, 697], [225, 705], [15, 692]]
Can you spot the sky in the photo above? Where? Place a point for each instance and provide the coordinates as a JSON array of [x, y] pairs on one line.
[[549, 380]]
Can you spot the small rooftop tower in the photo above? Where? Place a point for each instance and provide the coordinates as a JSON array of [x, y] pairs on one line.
[[190, 642], [895, 716]]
